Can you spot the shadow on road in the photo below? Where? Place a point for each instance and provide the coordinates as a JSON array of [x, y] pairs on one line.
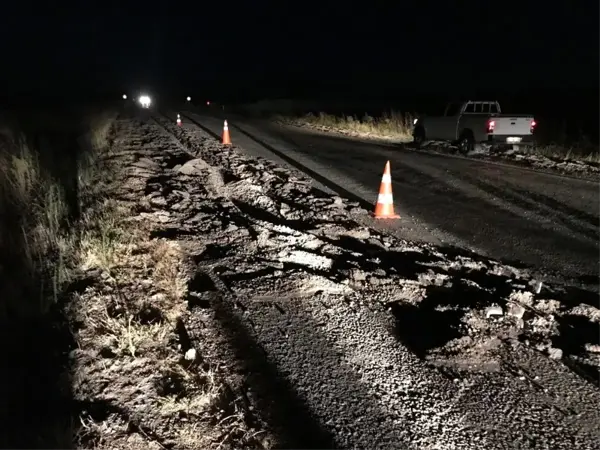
[[280, 406]]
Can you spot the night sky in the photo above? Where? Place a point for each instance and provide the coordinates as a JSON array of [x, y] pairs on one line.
[[291, 48]]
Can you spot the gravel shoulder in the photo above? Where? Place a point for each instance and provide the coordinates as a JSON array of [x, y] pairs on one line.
[[250, 310]]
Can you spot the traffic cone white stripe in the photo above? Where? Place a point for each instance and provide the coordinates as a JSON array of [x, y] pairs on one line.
[[226, 138], [385, 199], [384, 209]]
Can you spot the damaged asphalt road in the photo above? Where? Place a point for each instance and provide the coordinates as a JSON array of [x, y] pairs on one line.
[[545, 221], [338, 336]]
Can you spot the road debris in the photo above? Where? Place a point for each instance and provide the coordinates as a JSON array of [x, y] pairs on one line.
[[493, 311]]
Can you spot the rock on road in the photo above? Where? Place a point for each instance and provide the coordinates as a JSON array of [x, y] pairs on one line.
[[543, 220]]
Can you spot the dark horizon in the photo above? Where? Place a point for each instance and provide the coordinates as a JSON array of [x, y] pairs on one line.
[[239, 53]]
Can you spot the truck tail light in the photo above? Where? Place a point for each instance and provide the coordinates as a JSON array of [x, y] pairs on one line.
[[533, 125], [491, 124]]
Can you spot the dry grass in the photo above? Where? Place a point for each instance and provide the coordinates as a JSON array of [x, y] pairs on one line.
[[583, 152], [39, 239], [36, 205], [102, 235], [38, 231], [167, 259], [203, 389], [145, 283], [100, 126], [122, 331], [391, 126], [90, 167]]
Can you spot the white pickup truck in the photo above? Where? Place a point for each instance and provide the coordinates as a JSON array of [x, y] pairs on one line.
[[472, 122]]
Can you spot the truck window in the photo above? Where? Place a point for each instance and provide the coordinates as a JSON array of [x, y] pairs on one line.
[[453, 109], [470, 108], [493, 109]]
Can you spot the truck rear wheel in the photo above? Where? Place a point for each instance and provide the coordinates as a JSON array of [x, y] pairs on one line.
[[418, 137], [466, 142]]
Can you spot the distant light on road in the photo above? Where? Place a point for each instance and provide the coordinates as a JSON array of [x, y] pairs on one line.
[[124, 97], [189, 99], [145, 101], [208, 103]]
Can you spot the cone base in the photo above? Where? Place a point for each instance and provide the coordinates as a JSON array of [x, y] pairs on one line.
[[393, 216]]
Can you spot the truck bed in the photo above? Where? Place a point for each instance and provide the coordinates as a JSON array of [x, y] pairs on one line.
[[511, 125]]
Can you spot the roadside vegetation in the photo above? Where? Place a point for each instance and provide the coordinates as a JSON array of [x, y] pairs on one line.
[[581, 151], [46, 170], [41, 190], [394, 125]]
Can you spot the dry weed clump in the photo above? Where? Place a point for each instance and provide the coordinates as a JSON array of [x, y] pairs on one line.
[[38, 236], [35, 239], [393, 125], [582, 152]]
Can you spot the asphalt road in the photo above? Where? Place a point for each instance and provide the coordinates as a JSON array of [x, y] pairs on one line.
[[542, 220]]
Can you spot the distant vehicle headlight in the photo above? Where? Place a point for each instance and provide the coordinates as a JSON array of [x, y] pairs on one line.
[[189, 99], [415, 121], [145, 101], [124, 96]]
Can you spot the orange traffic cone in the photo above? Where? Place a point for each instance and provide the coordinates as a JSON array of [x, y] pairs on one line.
[[178, 120], [226, 138], [384, 209]]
